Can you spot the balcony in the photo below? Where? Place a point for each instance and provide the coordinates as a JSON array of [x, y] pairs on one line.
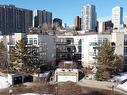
[[125, 43], [61, 43]]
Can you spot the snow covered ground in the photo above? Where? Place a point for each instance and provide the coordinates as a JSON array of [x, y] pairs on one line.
[[3, 82], [45, 74], [121, 77]]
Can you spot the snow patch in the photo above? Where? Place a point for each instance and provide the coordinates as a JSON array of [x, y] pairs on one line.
[[121, 77], [3, 82]]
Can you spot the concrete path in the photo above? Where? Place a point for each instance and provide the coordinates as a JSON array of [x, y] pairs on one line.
[[98, 84]]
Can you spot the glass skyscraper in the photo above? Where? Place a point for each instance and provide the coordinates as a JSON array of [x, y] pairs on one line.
[[88, 18], [117, 17]]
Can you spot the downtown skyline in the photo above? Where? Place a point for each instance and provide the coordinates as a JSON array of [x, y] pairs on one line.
[[67, 10]]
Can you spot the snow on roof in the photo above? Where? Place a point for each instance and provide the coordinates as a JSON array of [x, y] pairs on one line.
[[66, 70], [45, 74], [68, 62]]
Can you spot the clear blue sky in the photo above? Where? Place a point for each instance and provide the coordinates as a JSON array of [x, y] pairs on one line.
[[68, 9]]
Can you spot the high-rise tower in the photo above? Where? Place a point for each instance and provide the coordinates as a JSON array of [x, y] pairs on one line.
[[13, 19], [117, 17], [125, 21], [57, 24], [88, 18], [42, 17], [77, 23]]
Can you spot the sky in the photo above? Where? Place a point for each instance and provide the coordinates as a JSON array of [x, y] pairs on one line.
[[68, 9]]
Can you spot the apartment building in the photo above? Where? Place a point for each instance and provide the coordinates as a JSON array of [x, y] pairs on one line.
[[42, 17], [14, 20], [43, 46], [105, 26], [84, 48], [79, 48], [68, 48]]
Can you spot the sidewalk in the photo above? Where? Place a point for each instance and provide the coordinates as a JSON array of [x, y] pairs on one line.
[[98, 84]]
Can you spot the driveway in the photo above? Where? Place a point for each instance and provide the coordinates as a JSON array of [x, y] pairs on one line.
[[98, 84]]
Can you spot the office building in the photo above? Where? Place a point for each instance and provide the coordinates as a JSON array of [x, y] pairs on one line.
[[42, 17], [101, 27], [88, 15], [14, 20], [105, 26], [57, 24], [117, 17], [125, 21], [77, 23]]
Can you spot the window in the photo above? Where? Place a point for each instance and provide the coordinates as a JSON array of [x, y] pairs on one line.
[[100, 41], [113, 44], [125, 51], [80, 42], [62, 40], [31, 41], [68, 41], [35, 40], [125, 42], [105, 39], [125, 60], [79, 48]]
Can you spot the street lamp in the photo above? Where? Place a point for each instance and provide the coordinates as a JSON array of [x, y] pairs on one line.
[[112, 88], [10, 90], [114, 83], [56, 90]]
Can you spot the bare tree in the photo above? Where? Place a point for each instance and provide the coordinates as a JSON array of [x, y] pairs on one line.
[[3, 56]]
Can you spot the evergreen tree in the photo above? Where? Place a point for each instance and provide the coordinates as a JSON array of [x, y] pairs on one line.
[[19, 55], [24, 58], [108, 63]]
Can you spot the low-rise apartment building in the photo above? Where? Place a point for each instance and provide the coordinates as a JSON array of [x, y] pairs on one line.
[[86, 45], [82, 48], [43, 45]]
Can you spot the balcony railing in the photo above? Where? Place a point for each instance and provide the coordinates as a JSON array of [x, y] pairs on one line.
[[125, 43]]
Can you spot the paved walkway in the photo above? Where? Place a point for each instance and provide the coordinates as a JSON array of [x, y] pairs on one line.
[[98, 84]]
